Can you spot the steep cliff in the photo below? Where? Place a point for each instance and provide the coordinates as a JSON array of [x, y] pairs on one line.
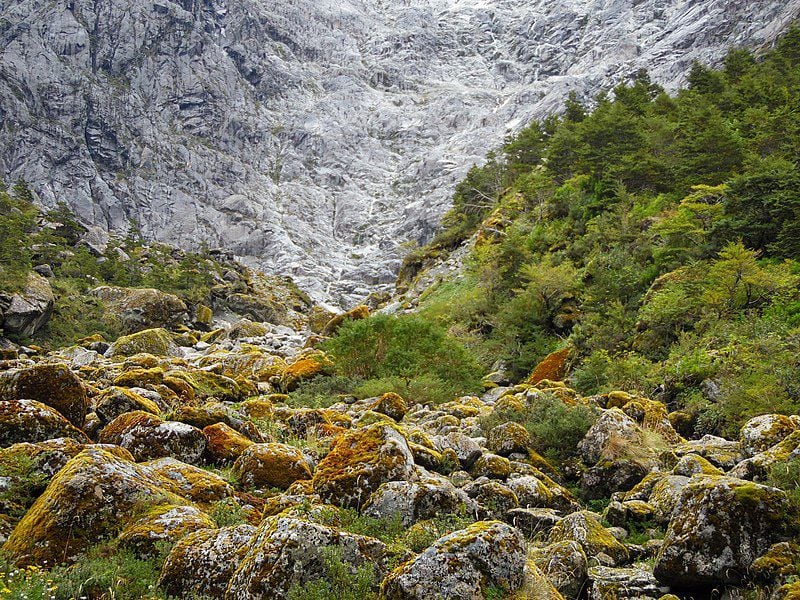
[[308, 136]]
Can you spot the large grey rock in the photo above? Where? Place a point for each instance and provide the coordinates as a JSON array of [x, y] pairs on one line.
[[461, 565], [313, 137], [25, 312], [719, 527], [288, 551]]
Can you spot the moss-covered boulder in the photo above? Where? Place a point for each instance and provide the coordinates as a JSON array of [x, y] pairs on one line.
[[627, 583], [288, 551], [115, 401], [466, 449], [163, 524], [491, 466], [32, 421], [584, 527], [140, 376], [718, 451], [142, 308], [354, 314], [720, 526], [763, 432], [390, 404], [359, 462], [463, 564], [187, 481], [203, 562], [224, 444], [158, 342], [758, 467], [565, 564], [29, 309], [412, 502], [509, 438], [493, 498], [51, 384], [306, 366], [211, 413], [694, 464], [147, 437], [271, 465], [89, 499], [778, 563], [207, 384]]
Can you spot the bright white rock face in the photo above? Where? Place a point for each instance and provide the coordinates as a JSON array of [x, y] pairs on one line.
[[314, 137]]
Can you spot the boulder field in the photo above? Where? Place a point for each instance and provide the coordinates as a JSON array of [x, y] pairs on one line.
[[167, 442]]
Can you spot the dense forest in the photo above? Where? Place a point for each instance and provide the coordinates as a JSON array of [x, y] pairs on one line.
[[656, 236]]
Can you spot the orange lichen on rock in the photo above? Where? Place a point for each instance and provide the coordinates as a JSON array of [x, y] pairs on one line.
[[554, 366]]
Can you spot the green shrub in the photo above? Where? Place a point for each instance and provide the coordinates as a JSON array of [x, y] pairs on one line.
[[408, 349], [555, 427], [105, 572], [227, 512], [321, 392], [786, 476], [341, 581]]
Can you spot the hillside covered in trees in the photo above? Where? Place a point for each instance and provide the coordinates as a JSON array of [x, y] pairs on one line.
[[656, 236]]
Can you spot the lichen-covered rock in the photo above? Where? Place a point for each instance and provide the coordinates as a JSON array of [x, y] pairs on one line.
[[664, 496], [565, 564], [613, 426], [531, 492], [87, 500], [271, 465], [288, 551], [532, 522], [202, 563], [390, 404], [412, 502], [359, 462], [720, 526], [163, 524], [494, 499], [694, 464], [32, 421], [207, 384], [623, 514], [758, 467], [51, 384], [462, 566], [115, 401], [306, 366], [257, 408], [718, 451], [28, 310], [778, 563], [140, 376], [763, 432], [354, 314], [224, 444], [467, 450], [190, 482], [584, 527], [158, 342], [211, 413], [147, 437], [491, 466], [509, 438], [142, 308], [629, 583]]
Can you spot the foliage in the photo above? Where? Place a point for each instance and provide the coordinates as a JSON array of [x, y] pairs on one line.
[[227, 512], [407, 353], [655, 234], [106, 572], [554, 426], [341, 581], [29, 583], [786, 476]]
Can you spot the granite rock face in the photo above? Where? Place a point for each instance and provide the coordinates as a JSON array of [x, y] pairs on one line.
[[313, 137]]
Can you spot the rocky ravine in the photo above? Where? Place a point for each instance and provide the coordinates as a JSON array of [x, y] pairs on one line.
[[312, 137], [122, 440]]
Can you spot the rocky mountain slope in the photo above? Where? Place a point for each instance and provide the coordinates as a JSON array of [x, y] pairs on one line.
[[312, 137]]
